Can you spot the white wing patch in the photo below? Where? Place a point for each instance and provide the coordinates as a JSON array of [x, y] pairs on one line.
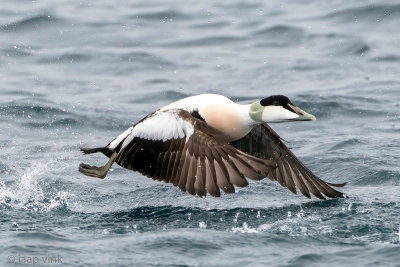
[[162, 125], [121, 137]]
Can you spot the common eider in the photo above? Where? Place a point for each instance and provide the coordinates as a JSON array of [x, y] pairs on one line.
[[207, 142]]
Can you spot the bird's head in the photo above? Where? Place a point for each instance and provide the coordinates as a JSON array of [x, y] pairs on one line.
[[277, 108]]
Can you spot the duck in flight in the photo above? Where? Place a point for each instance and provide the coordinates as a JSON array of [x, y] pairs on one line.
[[207, 142]]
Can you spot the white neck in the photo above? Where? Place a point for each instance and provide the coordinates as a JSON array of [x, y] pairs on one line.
[[244, 113]]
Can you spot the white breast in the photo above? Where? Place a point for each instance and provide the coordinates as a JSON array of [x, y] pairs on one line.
[[225, 119]]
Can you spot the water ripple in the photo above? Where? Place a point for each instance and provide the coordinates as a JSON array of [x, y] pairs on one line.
[[347, 143], [64, 58], [367, 13], [32, 23], [386, 58], [17, 51], [77, 73], [160, 15], [279, 35], [205, 41], [42, 236], [40, 113]]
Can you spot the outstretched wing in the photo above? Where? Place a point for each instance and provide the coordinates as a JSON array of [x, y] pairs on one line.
[[175, 147], [263, 142]]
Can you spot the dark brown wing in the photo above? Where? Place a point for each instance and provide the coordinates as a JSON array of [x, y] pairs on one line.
[[198, 160], [263, 142]]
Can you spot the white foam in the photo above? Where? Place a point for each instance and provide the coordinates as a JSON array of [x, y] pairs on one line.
[[27, 192], [244, 229], [202, 225]]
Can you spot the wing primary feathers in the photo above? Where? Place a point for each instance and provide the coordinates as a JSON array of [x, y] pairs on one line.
[[211, 184], [164, 167], [211, 161], [176, 170], [191, 176], [281, 176], [300, 184], [218, 158], [235, 177], [162, 162], [223, 179], [199, 184], [289, 181], [246, 169], [181, 181], [157, 173], [263, 142]]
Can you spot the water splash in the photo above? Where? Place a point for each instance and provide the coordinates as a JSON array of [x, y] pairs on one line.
[[202, 225], [29, 192], [244, 229]]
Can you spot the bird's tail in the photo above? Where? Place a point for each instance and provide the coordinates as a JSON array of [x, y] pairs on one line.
[[103, 150]]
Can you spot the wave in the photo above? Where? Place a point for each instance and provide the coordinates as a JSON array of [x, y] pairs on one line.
[[279, 35], [145, 59], [43, 236], [162, 15], [377, 176], [37, 112], [353, 255], [386, 58], [17, 51], [21, 109], [216, 218], [167, 96], [351, 47], [330, 221], [365, 13], [280, 30], [347, 143], [205, 41], [214, 24], [340, 44], [32, 23], [64, 58], [34, 113], [351, 105]]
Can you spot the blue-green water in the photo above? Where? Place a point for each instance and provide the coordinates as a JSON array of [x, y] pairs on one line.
[[78, 74]]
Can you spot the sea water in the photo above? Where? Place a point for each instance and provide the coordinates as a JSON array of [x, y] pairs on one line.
[[78, 73]]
